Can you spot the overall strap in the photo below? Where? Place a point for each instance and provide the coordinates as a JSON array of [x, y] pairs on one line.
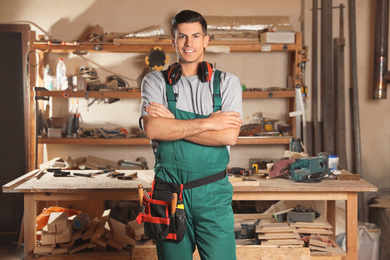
[[217, 92], [171, 97], [217, 101]]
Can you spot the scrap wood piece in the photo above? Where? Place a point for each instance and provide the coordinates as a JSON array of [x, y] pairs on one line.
[[66, 235], [100, 226], [347, 176], [77, 235], [320, 231], [136, 230], [102, 241], [323, 249], [315, 242], [58, 222], [90, 229], [121, 232], [114, 244]]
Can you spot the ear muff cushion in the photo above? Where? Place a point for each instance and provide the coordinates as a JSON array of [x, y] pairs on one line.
[[205, 71], [174, 73]]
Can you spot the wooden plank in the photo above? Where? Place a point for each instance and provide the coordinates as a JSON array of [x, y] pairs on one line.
[[9, 187], [316, 224], [82, 246], [91, 229], [253, 216], [279, 236], [284, 242], [314, 231]]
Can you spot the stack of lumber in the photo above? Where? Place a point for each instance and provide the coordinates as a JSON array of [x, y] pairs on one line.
[[278, 235], [285, 234], [59, 236], [313, 228]]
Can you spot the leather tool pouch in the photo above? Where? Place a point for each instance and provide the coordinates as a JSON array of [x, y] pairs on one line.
[[159, 223]]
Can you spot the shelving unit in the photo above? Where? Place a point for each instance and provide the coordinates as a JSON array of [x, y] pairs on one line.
[[294, 51]]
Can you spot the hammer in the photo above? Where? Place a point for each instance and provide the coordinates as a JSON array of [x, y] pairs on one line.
[[143, 162]]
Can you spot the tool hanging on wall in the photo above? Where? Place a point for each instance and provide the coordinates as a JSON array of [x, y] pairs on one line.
[[156, 59], [317, 144], [381, 74], [327, 86], [339, 94]]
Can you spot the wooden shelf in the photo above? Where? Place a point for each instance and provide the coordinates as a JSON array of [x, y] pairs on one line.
[[269, 94], [136, 46], [90, 94], [144, 141], [243, 140], [95, 141], [137, 94]]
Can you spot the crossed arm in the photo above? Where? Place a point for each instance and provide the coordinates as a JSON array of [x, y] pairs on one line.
[[220, 128]]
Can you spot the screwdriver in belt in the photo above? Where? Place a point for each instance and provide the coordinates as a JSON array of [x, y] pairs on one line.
[[174, 203], [140, 194]]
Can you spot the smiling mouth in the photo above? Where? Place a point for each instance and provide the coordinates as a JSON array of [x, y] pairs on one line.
[[189, 51]]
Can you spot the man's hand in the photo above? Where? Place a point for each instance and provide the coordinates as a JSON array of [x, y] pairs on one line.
[[158, 110], [224, 120]]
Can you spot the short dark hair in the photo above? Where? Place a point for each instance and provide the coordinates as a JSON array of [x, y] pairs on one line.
[[188, 16]]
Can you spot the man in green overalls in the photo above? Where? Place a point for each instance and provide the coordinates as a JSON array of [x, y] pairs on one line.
[[192, 120]]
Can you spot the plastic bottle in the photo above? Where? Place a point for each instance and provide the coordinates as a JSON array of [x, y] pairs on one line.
[[47, 78], [62, 82]]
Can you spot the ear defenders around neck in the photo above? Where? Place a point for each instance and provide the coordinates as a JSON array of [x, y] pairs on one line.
[[174, 72]]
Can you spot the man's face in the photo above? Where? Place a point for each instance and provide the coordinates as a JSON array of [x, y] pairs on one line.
[[190, 42]]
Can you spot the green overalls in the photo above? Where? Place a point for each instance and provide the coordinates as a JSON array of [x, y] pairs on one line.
[[210, 220]]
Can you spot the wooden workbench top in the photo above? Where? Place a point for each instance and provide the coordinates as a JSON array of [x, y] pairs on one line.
[[47, 183]]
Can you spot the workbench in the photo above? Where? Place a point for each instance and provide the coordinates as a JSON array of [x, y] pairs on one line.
[[100, 187]]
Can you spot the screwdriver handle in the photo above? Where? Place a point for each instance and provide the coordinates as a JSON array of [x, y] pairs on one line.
[[140, 194], [174, 203]]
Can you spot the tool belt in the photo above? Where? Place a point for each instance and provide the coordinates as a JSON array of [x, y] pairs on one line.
[[159, 223]]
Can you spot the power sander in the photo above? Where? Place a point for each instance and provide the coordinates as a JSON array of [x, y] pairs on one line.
[[308, 169]]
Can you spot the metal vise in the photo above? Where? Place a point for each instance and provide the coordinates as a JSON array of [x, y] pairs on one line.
[[309, 169]]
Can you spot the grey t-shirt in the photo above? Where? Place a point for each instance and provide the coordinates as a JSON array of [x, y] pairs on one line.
[[192, 95]]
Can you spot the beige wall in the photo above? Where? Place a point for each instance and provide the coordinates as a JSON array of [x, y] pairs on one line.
[[68, 20]]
